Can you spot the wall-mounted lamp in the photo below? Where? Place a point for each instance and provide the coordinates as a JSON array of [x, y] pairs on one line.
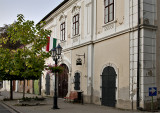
[[79, 60]]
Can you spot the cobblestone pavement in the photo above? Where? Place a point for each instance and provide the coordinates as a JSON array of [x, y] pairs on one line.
[[64, 107]]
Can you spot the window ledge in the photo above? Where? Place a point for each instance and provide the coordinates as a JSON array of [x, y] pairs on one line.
[[75, 36], [62, 41], [109, 23]]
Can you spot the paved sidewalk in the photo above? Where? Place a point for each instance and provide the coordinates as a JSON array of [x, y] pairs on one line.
[[64, 107], [4, 109], [16, 95]]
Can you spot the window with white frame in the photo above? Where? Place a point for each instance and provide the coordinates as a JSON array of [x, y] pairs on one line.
[[76, 24], [108, 11], [62, 30]]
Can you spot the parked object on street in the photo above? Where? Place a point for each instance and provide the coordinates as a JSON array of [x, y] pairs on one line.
[[74, 96]]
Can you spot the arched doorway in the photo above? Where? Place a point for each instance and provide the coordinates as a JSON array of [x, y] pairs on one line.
[[109, 87], [47, 84], [63, 82]]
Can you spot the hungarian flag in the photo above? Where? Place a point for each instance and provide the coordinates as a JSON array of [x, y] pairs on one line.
[[51, 43]]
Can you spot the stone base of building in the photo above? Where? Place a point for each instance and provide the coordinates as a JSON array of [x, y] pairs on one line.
[[125, 104], [87, 99], [122, 104], [147, 106]]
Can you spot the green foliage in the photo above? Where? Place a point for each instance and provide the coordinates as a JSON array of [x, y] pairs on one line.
[[6, 41], [6, 64], [26, 62], [54, 69], [27, 33]]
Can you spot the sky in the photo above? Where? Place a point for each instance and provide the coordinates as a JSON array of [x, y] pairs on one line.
[[34, 10]]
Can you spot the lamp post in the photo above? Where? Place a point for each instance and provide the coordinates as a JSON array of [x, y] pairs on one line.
[[56, 53]]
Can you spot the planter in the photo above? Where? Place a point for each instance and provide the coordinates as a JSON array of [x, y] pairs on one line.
[[32, 102]]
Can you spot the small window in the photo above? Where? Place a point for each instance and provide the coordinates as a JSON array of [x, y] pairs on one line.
[[76, 25], [62, 28], [108, 11], [77, 81]]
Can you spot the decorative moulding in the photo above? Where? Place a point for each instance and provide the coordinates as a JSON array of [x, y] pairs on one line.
[[75, 36], [76, 9], [63, 43], [62, 17], [109, 25]]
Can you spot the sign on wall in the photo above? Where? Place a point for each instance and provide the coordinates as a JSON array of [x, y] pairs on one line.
[[152, 91]]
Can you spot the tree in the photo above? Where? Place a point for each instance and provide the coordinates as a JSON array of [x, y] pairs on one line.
[[6, 57], [27, 62]]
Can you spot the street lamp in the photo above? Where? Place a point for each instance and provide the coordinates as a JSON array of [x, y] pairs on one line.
[[56, 53]]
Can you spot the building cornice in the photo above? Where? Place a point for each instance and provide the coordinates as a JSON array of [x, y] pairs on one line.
[[59, 9], [112, 36], [146, 26], [54, 10]]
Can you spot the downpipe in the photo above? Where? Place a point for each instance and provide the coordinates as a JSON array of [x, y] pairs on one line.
[[138, 61]]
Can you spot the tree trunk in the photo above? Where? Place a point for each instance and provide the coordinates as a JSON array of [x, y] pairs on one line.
[[33, 86], [11, 90], [23, 88]]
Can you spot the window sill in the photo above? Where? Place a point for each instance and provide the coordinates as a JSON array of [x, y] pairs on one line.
[[75, 36], [109, 23], [62, 41]]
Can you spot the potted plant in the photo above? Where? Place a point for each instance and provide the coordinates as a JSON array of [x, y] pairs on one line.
[[32, 101], [54, 69]]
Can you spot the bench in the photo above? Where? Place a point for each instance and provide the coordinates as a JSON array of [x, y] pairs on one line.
[[73, 96]]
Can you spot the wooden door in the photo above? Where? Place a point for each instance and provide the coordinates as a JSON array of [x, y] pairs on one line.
[[63, 82]]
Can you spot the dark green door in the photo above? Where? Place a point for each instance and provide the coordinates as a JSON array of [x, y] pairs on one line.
[[109, 87], [47, 84], [77, 81]]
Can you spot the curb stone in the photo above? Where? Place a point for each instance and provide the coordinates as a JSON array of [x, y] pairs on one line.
[[15, 110]]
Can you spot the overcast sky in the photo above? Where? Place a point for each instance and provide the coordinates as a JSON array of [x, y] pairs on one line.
[[31, 9]]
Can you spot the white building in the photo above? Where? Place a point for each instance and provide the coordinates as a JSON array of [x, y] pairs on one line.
[[110, 37], [118, 43]]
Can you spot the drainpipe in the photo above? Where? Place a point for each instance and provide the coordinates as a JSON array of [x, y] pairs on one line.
[[93, 35], [91, 46], [138, 59]]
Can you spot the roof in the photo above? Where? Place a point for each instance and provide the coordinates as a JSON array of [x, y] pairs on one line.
[[54, 10]]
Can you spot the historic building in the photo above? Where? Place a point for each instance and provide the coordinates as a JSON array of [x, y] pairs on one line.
[[111, 51]]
